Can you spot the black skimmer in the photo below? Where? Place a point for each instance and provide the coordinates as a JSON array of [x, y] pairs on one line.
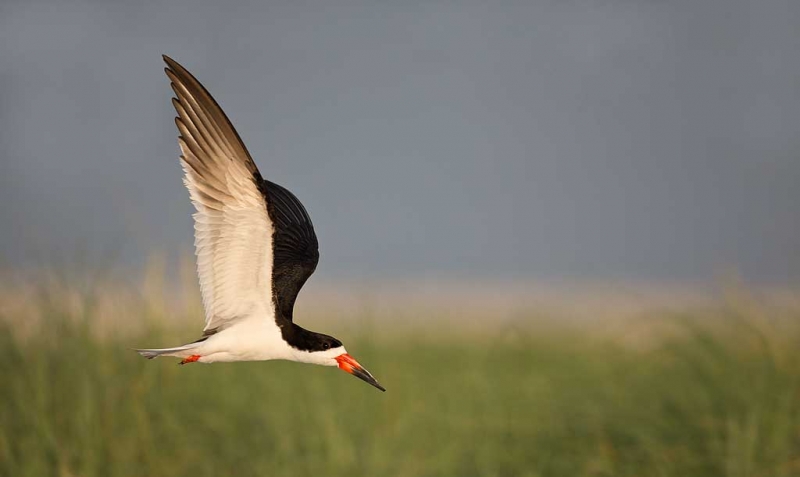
[[254, 242]]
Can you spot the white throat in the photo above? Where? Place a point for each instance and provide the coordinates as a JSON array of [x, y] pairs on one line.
[[323, 358]]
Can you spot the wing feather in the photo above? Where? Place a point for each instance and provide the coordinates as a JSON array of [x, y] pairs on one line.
[[233, 229], [295, 247]]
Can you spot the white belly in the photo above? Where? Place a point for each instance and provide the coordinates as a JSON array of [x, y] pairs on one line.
[[251, 339]]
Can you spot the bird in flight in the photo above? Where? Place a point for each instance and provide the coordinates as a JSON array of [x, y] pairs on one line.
[[254, 242]]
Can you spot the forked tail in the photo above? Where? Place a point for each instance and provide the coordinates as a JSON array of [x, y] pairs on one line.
[[178, 352]]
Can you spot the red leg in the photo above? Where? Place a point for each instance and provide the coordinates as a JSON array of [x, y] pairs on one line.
[[190, 359]]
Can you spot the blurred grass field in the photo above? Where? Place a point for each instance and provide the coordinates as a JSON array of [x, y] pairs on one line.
[[713, 391]]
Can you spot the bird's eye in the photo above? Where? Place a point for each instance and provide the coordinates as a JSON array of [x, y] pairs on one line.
[[326, 346]]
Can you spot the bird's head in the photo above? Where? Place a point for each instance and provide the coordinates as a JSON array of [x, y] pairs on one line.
[[328, 351]]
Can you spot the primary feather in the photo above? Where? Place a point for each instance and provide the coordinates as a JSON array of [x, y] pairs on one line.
[[233, 231]]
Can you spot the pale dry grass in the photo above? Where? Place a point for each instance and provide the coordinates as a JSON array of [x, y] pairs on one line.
[[119, 301]]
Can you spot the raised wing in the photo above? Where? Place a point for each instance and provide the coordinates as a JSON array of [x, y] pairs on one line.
[[295, 248], [233, 230]]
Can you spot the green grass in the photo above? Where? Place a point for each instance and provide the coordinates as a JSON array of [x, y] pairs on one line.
[[720, 400]]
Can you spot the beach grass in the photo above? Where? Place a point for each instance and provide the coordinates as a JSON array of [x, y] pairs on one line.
[[717, 395]]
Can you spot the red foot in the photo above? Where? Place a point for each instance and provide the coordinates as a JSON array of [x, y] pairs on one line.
[[190, 359]]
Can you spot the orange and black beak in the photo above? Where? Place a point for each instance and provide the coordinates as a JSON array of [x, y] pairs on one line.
[[349, 364]]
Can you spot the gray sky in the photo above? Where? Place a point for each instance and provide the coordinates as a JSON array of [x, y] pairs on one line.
[[580, 139]]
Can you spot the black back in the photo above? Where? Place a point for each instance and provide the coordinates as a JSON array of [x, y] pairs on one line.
[[294, 246], [295, 253]]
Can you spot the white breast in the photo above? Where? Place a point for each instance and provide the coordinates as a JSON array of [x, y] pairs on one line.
[[256, 338]]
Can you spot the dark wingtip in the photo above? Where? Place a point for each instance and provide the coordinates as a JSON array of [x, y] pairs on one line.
[[173, 66]]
